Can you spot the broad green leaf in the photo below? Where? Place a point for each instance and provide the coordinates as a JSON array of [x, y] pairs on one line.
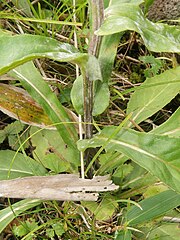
[[23, 6], [103, 210], [56, 163], [13, 128], [154, 189], [52, 152], [123, 235], [166, 231], [154, 94], [15, 135], [18, 104], [171, 127], [109, 161], [157, 154], [77, 95], [24, 228], [101, 97], [28, 47], [137, 181], [127, 15], [39, 90], [8, 214], [59, 228], [153, 207], [18, 165]]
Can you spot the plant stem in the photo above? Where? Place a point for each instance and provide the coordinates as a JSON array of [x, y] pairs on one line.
[[97, 14]]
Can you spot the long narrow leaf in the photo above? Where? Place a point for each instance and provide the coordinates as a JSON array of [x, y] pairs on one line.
[[149, 99], [157, 154], [153, 207], [9, 213], [41, 92]]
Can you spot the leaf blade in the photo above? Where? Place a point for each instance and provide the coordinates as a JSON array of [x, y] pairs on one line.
[[122, 16], [153, 207], [7, 215], [150, 98], [12, 166], [157, 154]]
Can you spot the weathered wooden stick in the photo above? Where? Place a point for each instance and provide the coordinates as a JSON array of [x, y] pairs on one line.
[[63, 187]]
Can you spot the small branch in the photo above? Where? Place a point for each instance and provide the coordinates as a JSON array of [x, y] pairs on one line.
[[171, 219], [62, 187]]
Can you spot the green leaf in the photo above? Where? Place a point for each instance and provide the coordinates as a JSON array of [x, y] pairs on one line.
[[8, 214], [103, 210], [53, 153], [33, 82], [23, 6], [58, 228], [13, 133], [156, 65], [153, 207], [107, 54], [138, 179], [77, 95], [2, 136], [123, 235], [13, 128], [171, 127], [15, 165], [127, 15], [157, 154], [25, 228], [101, 97], [154, 94], [28, 47], [167, 231]]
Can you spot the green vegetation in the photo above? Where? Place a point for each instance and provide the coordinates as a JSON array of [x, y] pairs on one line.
[[115, 68]]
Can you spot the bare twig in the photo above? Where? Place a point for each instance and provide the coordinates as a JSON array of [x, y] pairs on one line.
[[63, 187]]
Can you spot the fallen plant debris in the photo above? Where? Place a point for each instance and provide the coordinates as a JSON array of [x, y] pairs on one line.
[[63, 187]]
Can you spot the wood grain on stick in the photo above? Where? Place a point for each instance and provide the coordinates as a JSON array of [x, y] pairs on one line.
[[63, 187]]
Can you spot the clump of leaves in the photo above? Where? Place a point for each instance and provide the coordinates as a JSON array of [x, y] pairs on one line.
[[135, 159]]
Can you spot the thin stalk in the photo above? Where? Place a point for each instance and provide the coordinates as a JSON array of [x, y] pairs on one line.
[[77, 74], [96, 17]]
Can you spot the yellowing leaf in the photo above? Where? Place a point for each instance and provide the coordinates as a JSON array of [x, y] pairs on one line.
[[18, 104]]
